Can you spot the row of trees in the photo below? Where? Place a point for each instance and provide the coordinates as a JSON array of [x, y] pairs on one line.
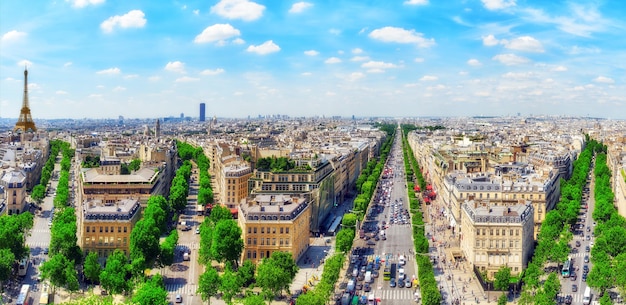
[[180, 187], [555, 234], [64, 252], [365, 186], [187, 153], [12, 237], [425, 273], [609, 252], [39, 191]]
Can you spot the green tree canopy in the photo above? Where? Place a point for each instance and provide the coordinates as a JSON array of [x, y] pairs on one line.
[[208, 284], [92, 267], [502, 278], [114, 277], [228, 247], [152, 292]]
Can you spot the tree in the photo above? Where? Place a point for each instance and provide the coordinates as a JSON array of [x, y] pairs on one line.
[[344, 239], [230, 285], [620, 272], [502, 299], [206, 240], [6, 264], [92, 267], [208, 284], [55, 270], [167, 248], [71, 278], [152, 292], [115, 274], [502, 278], [349, 220], [38, 193], [12, 230], [246, 272], [285, 262], [601, 275], [134, 165], [606, 300], [220, 212], [144, 239], [253, 299], [205, 195], [229, 245], [270, 278]]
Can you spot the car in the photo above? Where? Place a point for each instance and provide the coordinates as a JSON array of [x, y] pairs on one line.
[[198, 230], [586, 258], [371, 242], [392, 283], [46, 250], [584, 277], [408, 284], [573, 277], [359, 286], [588, 237], [401, 283], [568, 299], [577, 243], [588, 229], [367, 288], [586, 268], [574, 288], [587, 249], [186, 228], [179, 298], [375, 274], [384, 238]]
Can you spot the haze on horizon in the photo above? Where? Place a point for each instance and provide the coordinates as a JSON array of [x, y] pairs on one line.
[[146, 59]]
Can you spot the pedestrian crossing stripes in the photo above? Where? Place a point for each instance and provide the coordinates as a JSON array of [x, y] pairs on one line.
[[182, 289], [395, 294], [579, 254], [38, 244], [185, 246]]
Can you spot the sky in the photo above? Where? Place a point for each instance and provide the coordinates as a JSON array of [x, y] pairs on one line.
[[149, 59]]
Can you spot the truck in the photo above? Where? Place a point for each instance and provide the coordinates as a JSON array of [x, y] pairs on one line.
[[368, 277], [587, 296], [24, 297]]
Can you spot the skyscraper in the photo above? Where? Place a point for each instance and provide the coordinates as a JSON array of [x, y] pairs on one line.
[[202, 112]]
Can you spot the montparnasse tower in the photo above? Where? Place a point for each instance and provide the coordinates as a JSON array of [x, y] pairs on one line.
[[25, 121]]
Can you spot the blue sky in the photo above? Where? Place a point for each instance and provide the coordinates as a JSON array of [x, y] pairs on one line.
[[146, 58]]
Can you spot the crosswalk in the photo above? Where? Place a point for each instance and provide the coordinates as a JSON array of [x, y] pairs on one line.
[[39, 244], [579, 254], [395, 294], [182, 289], [187, 246]]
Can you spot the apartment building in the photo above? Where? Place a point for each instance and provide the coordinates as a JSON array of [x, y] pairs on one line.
[[14, 185], [106, 225], [235, 177], [496, 236], [277, 222]]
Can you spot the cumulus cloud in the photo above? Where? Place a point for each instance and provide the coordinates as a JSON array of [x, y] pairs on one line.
[[357, 51], [238, 9], [131, 76], [217, 33], [524, 43], [264, 48], [604, 79], [119, 89], [416, 2], [474, 62], [83, 3], [175, 66], [332, 60], [212, 72], [490, 40], [510, 59], [132, 19], [354, 76], [110, 71], [493, 5], [311, 53], [186, 79], [378, 65], [300, 7], [12, 35], [559, 69], [400, 35], [67, 64], [429, 78], [360, 58], [418, 59], [306, 73]]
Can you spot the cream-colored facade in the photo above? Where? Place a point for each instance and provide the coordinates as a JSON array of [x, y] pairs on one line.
[[235, 176], [272, 223], [14, 183], [496, 236], [106, 226]]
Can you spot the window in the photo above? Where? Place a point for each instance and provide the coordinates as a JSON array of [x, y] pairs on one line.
[[254, 230], [262, 230], [119, 229], [281, 230], [510, 244], [87, 229], [274, 241], [517, 232], [124, 241], [249, 254], [100, 229], [287, 230], [503, 232], [497, 232], [106, 229], [274, 230], [254, 241], [262, 241], [477, 243], [119, 241], [249, 230]]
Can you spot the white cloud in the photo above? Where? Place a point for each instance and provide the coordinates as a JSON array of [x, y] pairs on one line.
[[131, 76], [175, 66], [559, 69], [110, 71], [119, 89], [400, 35], [61, 92], [83, 3], [429, 78], [24, 63], [498, 4], [154, 78], [418, 59], [212, 72], [217, 32], [186, 79], [95, 95], [196, 12], [378, 65], [354, 76], [360, 58], [12, 35], [474, 62], [238, 9], [67, 64], [604, 79], [510, 59], [299, 7], [524, 43], [583, 50], [416, 2], [306, 73], [375, 70], [264, 48], [490, 40], [238, 41], [357, 51], [333, 60], [132, 19], [311, 53]]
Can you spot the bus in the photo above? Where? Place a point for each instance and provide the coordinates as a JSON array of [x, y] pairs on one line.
[[22, 269], [23, 297], [44, 299], [567, 267], [393, 271], [387, 273]]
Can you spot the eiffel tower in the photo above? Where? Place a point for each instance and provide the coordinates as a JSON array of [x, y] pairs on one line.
[[25, 121]]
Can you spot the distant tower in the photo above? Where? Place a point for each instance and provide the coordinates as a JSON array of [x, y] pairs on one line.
[[25, 121], [157, 129], [202, 112]]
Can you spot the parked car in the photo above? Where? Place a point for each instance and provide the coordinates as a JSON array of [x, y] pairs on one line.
[[574, 288], [179, 298]]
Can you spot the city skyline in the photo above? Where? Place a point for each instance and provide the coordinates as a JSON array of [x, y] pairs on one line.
[[103, 59]]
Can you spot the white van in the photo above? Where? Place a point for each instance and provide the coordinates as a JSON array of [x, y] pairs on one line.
[[587, 296], [401, 260], [368, 277]]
